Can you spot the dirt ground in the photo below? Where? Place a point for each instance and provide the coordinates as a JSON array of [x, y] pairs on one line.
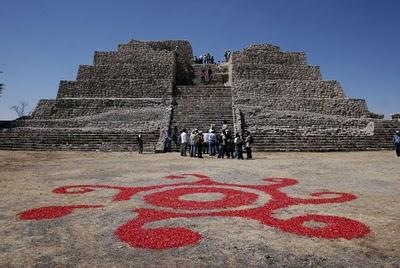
[[219, 230]]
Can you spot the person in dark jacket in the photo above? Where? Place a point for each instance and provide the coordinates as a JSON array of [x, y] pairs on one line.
[[140, 143], [396, 140], [199, 143], [230, 145], [248, 145], [203, 76], [209, 75], [167, 141], [222, 144]]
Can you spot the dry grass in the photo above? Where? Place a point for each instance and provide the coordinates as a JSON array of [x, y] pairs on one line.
[[86, 238]]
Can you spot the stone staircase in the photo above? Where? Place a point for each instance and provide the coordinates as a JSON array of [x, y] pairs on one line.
[[219, 74], [199, 107]]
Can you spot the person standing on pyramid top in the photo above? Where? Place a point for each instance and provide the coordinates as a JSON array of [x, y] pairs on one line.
[[203, 76], [209, 74], [176, 51], [396, 140]]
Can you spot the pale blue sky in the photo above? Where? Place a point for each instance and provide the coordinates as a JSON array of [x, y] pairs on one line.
[[355, 42]]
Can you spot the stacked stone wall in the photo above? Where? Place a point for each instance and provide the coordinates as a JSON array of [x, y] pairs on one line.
[[202, 106], [342, 107], [181, 49], [138, 57], [184, 50], [288, 119], [137, 119], [116, 88], [250, 88], [70, 108], [261, 57], [125, 71], [76, 139], [275, 71]]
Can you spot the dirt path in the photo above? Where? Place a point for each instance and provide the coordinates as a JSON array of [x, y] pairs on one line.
[[132, 212]]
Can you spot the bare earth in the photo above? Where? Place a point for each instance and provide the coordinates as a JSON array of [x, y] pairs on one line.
[[87, 237]]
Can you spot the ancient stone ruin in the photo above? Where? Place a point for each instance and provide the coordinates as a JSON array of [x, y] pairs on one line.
[[150, 87]]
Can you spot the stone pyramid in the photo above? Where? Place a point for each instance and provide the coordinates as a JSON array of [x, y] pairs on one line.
[[148, 87]]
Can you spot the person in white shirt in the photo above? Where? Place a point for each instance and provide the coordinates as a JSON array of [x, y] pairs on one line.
[[206, 142], [184, 142]]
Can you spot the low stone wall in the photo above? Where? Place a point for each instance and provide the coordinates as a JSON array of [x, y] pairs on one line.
[[76, 139]]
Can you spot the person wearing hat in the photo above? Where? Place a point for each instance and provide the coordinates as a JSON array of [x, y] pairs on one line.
[[396, 140]]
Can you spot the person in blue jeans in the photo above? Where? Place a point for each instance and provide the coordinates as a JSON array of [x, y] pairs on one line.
[[193, 146], [238, 146], [184, 138], [396, 140], [212, 138]]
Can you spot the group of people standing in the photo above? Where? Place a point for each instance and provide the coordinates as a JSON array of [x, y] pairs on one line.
[[209, 76], [227, 55], [215, 144], [206, 59], [223, 144]]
